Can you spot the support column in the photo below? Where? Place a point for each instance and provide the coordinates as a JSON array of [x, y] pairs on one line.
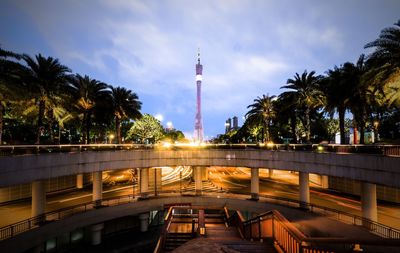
[[369, 206], [96, 233], [255, 183], [38, 198], [204, 174], [304, 189], [324, 182], [79, 181], [144, 222], [198, 184], [158, 180], [270, 173], [144, 183], [97, 188]]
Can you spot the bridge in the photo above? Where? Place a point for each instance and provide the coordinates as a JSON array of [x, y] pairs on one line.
[[370, 165]]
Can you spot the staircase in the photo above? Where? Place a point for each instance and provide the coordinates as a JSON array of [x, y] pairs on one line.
[[174, 240], [217, 232]]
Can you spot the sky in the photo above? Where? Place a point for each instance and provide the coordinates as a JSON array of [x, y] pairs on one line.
[[248, 47]]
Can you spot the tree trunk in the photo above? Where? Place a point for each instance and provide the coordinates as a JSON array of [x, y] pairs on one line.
[[308, 130], [118, 130], [341, 125], [362, 128], [40, 120], [83, 128], [88, 128], [293, 126], [1, 122], [266, 132]]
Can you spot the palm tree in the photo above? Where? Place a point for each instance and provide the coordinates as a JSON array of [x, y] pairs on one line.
[[47, 78], [10, 82], [307, 95], [358, 90], [10, 71], [87, 93], [288, 109], [385, 61], [262, 110], [387, 47], [125, 105], [337, 95]]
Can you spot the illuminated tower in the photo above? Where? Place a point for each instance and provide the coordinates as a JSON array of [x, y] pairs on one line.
[[198, 125]]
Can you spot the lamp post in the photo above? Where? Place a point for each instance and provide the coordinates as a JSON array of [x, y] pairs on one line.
[[111, 137]]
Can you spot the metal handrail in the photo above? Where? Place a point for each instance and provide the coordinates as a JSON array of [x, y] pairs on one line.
[[28, 224], [290, 239], [387, 150]]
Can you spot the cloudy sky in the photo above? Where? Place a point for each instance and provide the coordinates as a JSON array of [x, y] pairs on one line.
[[248, 48]]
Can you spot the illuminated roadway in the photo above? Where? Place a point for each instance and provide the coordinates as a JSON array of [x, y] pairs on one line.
[[283, 184]]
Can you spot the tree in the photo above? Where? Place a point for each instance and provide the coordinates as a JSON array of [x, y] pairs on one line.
[[287, 110], [262, 110], [46, 79], [385, 62], [307, 95], [337, 95], [146, 130], [87, 93], [10, 82], [125, 105], [358, 90]]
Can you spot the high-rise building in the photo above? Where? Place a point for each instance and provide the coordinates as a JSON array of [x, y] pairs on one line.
[[198, 125], [235, 123], [228, 125]]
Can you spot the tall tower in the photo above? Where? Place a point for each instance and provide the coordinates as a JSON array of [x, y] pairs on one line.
[[198, 125]]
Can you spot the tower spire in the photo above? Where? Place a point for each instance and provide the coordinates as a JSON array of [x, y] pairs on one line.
[[198, 125], [198, 55]]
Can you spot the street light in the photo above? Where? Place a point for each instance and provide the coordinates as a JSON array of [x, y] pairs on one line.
[[111, 137]]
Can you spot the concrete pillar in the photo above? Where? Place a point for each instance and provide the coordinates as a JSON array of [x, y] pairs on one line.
[[204, 174], [198, 184], [79, 181], [144, 222], [304, 189], [144, 182], [324, 182], [255, 183], [270, 173], [38, 198], [97, 188], [369, 206], [158, 179], [96, 233]]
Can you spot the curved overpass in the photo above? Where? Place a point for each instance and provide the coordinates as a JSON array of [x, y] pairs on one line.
[[376, 169]]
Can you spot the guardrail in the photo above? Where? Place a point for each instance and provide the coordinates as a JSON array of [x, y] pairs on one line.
[[31, 223], [392, 150], [287, 238]]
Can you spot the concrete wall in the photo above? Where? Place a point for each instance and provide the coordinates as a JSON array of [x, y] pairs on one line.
[[370, 168], [52, 185], [354, 187]]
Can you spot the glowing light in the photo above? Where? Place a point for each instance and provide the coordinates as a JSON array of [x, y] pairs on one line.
[[169, 124], [320, 148], [167, 144], [159, 117], [270, 144]]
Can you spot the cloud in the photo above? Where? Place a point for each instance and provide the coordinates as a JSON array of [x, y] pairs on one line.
[[248, 48]]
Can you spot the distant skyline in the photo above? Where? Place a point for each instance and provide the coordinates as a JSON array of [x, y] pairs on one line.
[[248, 48]]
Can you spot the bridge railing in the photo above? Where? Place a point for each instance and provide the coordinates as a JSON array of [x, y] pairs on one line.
[[286, 237], [392, 150], [12, 230]]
